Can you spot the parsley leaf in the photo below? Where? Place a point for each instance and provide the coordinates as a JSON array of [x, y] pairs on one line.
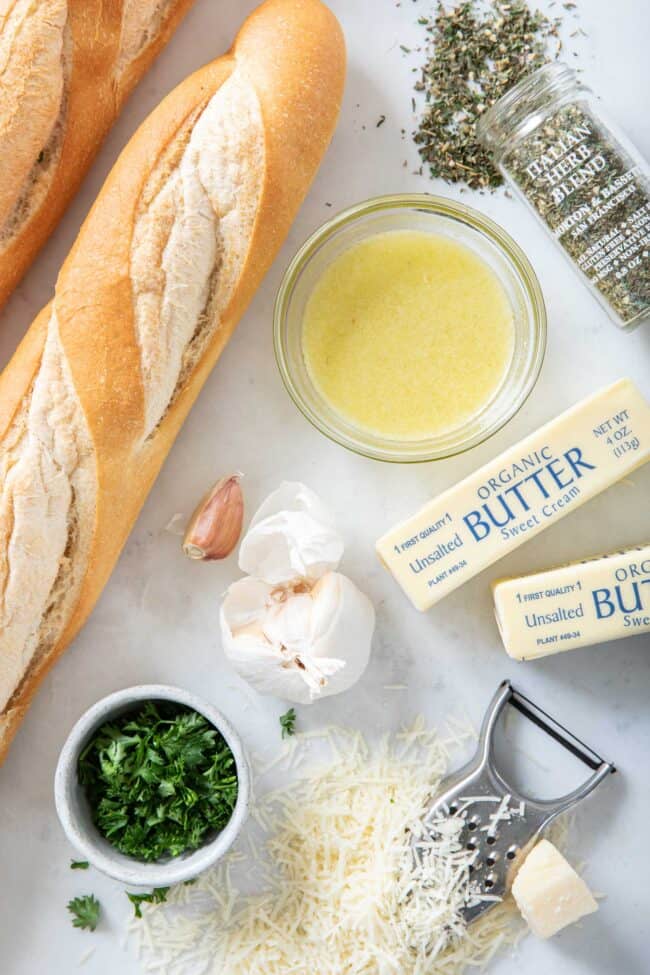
[[158, 779], [288, 722], [78, 864], [157, 896], [85, 911]]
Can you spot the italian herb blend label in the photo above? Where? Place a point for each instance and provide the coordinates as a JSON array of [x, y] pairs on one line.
[[594, 198]]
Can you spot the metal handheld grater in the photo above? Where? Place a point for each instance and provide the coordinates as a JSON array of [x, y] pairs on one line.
[[500, 824]]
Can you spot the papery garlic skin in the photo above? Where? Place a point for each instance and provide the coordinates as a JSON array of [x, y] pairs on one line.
[[292, 535], [300, 642]]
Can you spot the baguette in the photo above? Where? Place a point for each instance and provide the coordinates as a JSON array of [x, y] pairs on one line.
[[66, 69], [183, 231]]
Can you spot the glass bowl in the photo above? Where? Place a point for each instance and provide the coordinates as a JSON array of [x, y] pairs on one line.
[[430, 214]]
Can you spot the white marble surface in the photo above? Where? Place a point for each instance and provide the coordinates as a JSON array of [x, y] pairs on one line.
[[157, 619]]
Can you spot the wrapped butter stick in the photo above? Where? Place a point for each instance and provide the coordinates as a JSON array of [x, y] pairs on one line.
[[514, 497], [295, 627], [603, 598]]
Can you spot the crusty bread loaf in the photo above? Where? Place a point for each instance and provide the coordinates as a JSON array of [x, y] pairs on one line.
[[66, 68], [179, 238]]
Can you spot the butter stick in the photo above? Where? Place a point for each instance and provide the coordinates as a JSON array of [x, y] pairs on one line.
[[577, 605], [514, 497]]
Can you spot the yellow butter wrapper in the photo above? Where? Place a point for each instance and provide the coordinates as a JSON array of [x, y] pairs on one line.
[[521, 492]]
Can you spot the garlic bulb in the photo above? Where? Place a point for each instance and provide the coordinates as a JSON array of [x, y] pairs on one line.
[[295, 627]]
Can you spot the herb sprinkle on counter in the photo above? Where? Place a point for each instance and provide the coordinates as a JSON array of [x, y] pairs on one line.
[[474, 56]]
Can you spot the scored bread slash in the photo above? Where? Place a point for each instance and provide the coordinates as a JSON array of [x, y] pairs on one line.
[[488, 823], [68, 67]]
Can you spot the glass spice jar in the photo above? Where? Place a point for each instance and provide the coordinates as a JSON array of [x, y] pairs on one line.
[[583, 178]]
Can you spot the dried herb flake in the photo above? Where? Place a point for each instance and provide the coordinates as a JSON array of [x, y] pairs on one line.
[[474, 56]]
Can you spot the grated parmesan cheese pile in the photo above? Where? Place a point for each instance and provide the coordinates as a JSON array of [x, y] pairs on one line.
[[324, 881]]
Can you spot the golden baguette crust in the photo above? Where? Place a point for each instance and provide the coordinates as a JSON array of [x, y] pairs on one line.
[[292, 52], [95, 93]]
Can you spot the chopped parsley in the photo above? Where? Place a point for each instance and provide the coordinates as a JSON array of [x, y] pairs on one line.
[[288, 723], [157, 896], [158, 780], [85, 911]]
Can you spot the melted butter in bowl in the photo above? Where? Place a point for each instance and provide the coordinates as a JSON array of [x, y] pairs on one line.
[[409, 328], [408, 334]]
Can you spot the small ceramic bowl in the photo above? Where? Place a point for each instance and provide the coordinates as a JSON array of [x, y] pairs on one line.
[[74, 812]]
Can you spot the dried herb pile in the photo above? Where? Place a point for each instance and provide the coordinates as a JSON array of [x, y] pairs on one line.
[[475, 54], [158, 780]]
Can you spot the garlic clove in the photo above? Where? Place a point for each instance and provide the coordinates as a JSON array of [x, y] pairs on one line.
[[342, 625], [246, 602], [252, 655], [291, 535], [216, 524], [288, 622]]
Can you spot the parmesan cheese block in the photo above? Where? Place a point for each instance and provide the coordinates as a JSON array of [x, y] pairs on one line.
[[514, 497], [577, 605], [549, 893]]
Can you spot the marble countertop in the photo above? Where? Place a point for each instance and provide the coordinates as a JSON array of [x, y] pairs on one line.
[[157, 618]]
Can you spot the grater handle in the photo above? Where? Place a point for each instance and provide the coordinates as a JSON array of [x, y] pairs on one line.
[[506, 694], [556, 806], [557, 731], [491, 718]]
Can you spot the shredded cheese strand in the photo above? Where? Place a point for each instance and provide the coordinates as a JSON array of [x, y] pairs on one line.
[[336, 890]]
